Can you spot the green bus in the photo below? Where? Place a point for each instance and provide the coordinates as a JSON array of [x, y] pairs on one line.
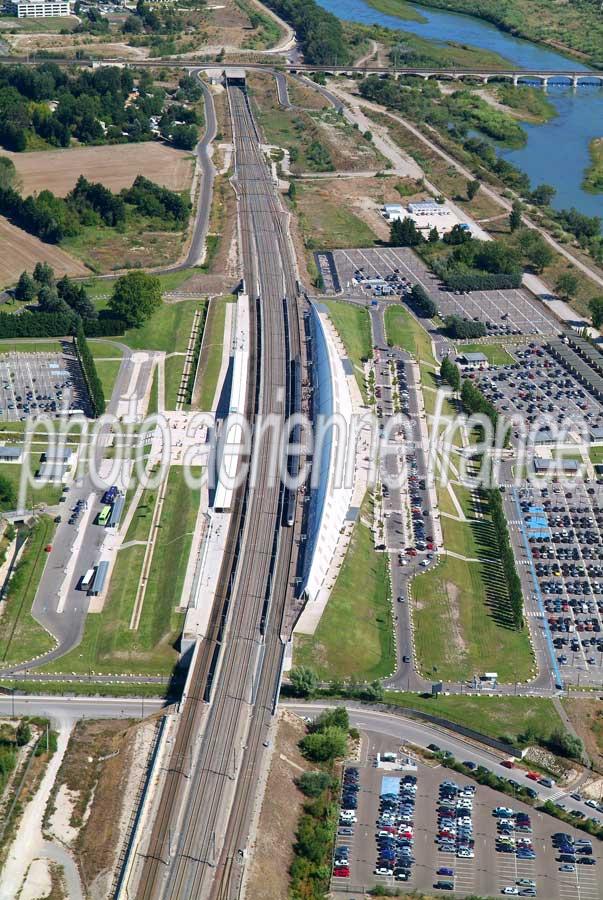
[[103, 516]]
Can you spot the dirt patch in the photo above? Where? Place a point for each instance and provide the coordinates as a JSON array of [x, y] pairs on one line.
[[587, 718], [22, 251], [272, 852], [114, 166], [302, 95], [458, 644], [95, 778]]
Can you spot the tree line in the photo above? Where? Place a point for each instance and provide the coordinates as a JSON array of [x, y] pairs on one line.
[[53, 218], [95, 388], [95, 106], [319, 32], [507, 556]]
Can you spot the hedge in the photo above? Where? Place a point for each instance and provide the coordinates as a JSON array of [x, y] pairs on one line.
[[38, 324], [480, 281], [87, 363]]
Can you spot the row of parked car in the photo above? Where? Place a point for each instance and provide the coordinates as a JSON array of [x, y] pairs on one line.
[[455, 825], [395, 831], [347, 820], [513, 834], [572, 852]]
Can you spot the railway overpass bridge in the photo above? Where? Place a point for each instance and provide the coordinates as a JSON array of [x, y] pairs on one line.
[[516, 76]]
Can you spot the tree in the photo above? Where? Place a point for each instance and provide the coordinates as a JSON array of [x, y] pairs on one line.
[[595, 306], [184, 136], [404, 233], [566, 285], [434, 235], [472, 188], [312, 784], [292, 192], [322, 746], [43, 273], [539, 255], [8, 175], [543, 194], [515, 220], [331, 718], [458, 235], [49, 300], [23, 734], [449, 373], [136, 296], [304, 681], [8, 497], [26, 288]]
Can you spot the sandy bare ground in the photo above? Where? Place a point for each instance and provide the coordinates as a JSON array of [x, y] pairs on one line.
[[19, 251], [116, 166]]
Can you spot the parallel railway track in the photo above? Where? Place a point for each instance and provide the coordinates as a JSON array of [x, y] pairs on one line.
[[206, 800]]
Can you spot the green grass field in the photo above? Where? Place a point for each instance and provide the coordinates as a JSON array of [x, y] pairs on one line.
[[29, 346], [354, 637], [497, 355], [107, 372], [168, 329], [596, 455], [325, 223], [211, 351], [108, 644], [354, 328], [404, 331], [497, 717], [105, 349], [462, 623], [47, 494], [21, 637]]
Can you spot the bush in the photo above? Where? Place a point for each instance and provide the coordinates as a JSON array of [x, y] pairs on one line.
[[38, 324], [326, 745], [303, 681], [460, 329], [422, 302], [312, 784], [481, 281]]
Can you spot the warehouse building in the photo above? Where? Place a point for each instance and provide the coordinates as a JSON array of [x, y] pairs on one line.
[[38, 9]]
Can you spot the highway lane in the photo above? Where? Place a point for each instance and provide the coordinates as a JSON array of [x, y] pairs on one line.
[[228, 734]]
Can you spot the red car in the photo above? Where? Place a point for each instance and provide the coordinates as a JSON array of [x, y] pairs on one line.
[[507, 763], [534, 776], [341, 872]]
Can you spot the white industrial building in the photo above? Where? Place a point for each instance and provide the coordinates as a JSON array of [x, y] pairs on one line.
[[473, 360], [426, 214], [38, 9]]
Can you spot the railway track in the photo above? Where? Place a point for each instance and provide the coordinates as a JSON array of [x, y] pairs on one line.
[[206, 801]]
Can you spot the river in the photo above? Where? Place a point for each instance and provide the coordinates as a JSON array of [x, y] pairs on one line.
[[556, 152]]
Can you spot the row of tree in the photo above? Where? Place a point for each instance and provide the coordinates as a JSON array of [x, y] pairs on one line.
[[474, 402], [54, 218], [461, 329], [449, 373], [507, 557], [95, 387], [422, 302], [319, 32]]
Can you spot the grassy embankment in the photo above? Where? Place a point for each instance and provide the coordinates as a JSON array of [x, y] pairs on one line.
[[574, 28], [21, 637], [354, 638], [210, 360], [354, 328], [108, 644], [593, 176]]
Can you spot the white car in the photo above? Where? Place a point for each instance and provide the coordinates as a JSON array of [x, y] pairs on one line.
[[510, 890], [381, 870], [465, 854]]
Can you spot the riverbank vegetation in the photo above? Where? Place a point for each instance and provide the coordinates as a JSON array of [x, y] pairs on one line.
[[529, 103], [576, 27], [593, 176], [319, 32]]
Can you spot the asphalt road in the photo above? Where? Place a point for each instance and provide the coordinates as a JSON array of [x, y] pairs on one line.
[[197, 244]]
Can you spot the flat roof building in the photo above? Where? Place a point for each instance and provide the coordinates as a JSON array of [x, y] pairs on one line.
[[11, 454], [473, 360], [571, 466], [39, 9]]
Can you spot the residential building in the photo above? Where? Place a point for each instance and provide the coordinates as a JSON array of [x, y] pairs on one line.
[[39, 9]]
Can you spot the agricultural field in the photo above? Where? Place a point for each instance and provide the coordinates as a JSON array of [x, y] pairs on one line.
[[115, 166], [22, 251]]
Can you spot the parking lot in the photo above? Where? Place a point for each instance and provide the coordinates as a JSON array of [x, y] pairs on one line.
[[537, 386], [35, 383], [385, 271], [451, 836], [562, 529]]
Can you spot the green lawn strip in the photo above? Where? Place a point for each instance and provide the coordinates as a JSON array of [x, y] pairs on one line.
[[88, 688], [497, 717], [462, 623], [47, 494], [105, 349], [21, 637], [29, 346], [497, 354], [154, 395], [354, 328], [473, 539], [174, 366], [168, 329], [445, 501], [210, 360], [354, 637], [596, 455], [107, 372], [404, 331], [108, 645]]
